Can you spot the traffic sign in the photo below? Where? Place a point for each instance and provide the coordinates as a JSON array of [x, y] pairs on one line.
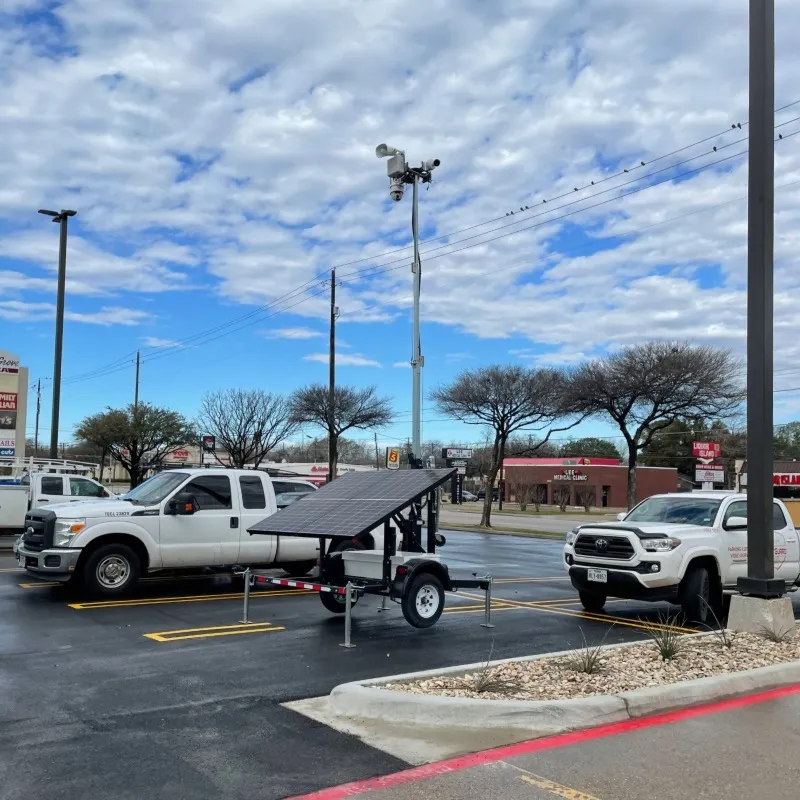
[[392, 458]]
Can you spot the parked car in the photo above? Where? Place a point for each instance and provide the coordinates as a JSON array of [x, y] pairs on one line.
[[290, 490], [482, 494], [468, 496], [687, 549], [179, 518]]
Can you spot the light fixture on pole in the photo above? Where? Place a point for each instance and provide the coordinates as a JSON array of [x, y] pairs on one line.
[[60, 217], [400, 174]]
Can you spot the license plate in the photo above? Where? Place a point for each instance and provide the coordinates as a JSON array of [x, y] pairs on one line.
[[598, 575]]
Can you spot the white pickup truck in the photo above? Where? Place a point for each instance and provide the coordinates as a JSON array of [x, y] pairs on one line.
[[176, 519], [683, 548], [43, 488]]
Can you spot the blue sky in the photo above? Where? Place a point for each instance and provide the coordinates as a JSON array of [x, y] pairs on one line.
[[221, 159]]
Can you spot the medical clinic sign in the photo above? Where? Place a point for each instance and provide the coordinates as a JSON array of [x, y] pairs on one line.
[[13, 400]]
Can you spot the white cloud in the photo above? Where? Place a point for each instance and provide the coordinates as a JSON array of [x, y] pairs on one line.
[[402, 364], [292, 333], [344, 359], [154, 341], [18, 311]]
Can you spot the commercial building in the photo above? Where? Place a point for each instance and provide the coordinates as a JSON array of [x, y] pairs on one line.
[[13, 405], [604, 479]]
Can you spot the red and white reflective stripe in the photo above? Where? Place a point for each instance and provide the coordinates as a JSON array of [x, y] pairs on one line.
[[315, 587]]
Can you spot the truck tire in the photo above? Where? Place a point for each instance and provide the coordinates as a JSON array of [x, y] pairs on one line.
[[593, 601], [298, 569], [423, 603], [696, 594], [111, 571], [347, 544], [336, 603]]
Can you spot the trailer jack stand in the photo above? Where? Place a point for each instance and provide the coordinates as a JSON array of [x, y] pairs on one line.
[[348, 616]]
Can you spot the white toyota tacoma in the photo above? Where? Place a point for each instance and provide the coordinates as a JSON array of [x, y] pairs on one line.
[[176, 519], [685, 549]]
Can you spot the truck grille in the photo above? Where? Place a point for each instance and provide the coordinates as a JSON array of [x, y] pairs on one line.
[[39, 530], [618, 547]]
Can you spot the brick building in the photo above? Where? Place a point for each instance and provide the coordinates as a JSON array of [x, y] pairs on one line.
[[605, 476]]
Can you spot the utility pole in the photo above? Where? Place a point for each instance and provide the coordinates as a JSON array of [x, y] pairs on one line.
[[760, 580], [62, 218], [38, 411], [377, 457], [332, 459], [136, 390], [400, 174]]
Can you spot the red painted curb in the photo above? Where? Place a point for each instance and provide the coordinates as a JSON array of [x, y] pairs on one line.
[[547, 743]]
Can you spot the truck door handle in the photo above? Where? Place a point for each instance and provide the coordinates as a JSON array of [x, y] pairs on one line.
[[234, 522]]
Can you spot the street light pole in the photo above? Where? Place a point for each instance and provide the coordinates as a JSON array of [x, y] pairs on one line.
[[62, 218]]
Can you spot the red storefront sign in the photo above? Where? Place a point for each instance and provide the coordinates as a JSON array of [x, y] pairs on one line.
[[706, 449], [8, 401], [786, 479]]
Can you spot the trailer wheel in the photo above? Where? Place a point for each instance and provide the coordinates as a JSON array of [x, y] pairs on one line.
[[424, 602], [335, 603], [111, 570]]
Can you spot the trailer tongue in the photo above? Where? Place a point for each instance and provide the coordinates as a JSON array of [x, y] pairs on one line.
[[406, 570]]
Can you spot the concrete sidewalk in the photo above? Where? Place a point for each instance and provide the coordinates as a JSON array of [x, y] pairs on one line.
[[745, 748]]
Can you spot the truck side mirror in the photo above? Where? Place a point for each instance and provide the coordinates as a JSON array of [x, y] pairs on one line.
[[736, 524], [183, 504]]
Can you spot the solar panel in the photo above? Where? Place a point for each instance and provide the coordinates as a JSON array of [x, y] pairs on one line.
[[353, 504]]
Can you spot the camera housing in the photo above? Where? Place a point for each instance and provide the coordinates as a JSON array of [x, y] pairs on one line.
[[431, 164], [396, 190]]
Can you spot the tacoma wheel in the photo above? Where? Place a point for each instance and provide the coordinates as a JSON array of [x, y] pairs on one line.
[[593, 601]]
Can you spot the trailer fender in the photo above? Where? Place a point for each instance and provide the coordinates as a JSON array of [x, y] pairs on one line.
[[406, 573]]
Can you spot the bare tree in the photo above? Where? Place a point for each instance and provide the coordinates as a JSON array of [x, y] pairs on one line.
[[538, 496], [647, 387], [507, 399], [139, 438], [352, 408], [562, 494], [247, 423], [586, 496]]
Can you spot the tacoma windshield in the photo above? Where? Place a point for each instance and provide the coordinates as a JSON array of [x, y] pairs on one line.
[[686, 510], [155, 489]]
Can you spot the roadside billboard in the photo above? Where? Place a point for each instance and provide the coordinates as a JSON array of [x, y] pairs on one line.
[[13, 404]]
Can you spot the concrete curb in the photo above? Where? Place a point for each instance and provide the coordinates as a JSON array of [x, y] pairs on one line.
[[521, 719]]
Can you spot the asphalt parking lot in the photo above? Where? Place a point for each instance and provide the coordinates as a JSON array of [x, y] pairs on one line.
[[166, 695]]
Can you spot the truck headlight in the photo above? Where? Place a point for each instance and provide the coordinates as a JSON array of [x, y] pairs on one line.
[[664, 545], [66, 529], [571, 537]]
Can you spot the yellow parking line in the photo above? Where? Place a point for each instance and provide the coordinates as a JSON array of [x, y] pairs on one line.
[[200, 598], [37, 584], [529, 580], [13, 569], [556, 789], [216, 630]]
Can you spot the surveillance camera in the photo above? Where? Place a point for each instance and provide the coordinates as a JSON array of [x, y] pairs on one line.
[[384, 150], [432, 164], [396, 190]]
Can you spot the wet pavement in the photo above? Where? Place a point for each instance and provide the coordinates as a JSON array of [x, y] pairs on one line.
[[166, 695]]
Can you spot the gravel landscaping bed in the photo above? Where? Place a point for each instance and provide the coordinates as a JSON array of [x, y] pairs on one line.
[[617, 669]]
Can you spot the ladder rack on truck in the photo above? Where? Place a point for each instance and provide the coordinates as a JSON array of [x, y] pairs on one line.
[[411, 574]]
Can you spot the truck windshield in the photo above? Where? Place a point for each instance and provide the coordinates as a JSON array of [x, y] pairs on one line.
[[686, 510], [155, 489]]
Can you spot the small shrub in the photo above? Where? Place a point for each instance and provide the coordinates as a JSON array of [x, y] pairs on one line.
[[726, 637], [771, 634], [665, 635], [487, 680], [586, 659]]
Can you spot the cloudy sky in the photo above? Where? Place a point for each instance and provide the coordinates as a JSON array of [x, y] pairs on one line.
[[221, 160]]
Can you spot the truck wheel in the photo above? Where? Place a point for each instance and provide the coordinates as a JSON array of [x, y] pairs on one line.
[[111, 570], [593, 601], [424, 602], [347, 544], [335, 603], [696, 594], [299, 569]]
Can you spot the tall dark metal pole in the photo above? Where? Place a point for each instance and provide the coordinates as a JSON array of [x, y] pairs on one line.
[[62, 219], [38, 411], [332, 384], [760, 580], [136, 389]]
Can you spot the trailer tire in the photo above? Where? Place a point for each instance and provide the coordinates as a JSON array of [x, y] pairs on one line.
[[423, 603], [111, 571], [336, 603]]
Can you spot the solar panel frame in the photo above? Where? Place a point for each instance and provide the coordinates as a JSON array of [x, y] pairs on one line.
[[354, 504]]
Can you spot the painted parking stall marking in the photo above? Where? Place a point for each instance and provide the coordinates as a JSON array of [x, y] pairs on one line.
[[199, 598], [213, 632]]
